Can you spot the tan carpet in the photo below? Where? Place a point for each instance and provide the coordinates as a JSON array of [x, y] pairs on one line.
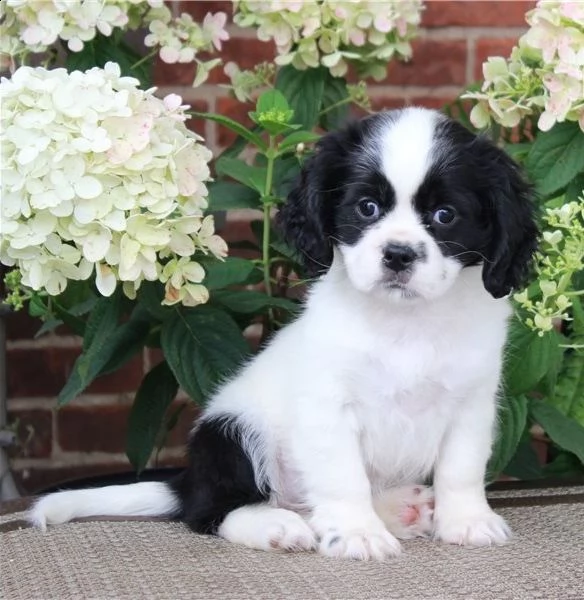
[[159, 560]]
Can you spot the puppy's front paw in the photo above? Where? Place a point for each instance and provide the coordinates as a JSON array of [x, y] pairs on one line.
[[353, 534], [359, 544], [481, 527]]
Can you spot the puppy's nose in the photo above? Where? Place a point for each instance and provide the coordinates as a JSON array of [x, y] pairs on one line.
[[398, 257]]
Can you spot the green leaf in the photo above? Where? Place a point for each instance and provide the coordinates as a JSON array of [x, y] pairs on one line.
[[525, 463], [128, 339], [234, 126], [556, 157], [562, 430], [575, 189], [271, 100], [565, 464], [273, 112], [529, 357], [225, 195], [304, 92], [568, 396], [202, 346], [75, 323], [298, 137], [252, 177], [249, 301], [519, 150], [231, 271], [37, 307], [156, 393], [334, 95], [150, 296], [97, 347], [512, 419], [286, 171]]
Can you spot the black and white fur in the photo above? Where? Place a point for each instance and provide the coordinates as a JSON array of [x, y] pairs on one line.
[[419, 229]]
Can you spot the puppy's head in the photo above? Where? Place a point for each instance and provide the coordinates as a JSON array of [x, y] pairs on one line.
[[409, 198]]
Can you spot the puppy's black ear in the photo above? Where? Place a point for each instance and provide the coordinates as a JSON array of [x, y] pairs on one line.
[[515, 232], [306, 218]]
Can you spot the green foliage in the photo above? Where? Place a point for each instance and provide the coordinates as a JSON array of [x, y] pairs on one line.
[[107, 344], [556, 158], [543, 374], [304, 91], [530, 357], [202, 346], [512, 418], [157, 390]]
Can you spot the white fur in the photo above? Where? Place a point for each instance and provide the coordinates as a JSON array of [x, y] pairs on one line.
[[369, 389], [360, 395], [149, 498]]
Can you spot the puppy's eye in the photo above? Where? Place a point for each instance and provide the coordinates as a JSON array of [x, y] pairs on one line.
[[444, 215], [368, 209]]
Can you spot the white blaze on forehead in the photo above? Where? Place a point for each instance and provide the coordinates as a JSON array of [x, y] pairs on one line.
[[406, 146]]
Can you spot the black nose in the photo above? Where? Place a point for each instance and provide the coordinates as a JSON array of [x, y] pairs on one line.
[[398, 257]]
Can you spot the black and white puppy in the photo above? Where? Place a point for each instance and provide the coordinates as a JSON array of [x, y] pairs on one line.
[[389, 376]]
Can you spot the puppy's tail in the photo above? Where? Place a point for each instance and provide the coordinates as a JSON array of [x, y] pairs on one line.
[[145, 499]]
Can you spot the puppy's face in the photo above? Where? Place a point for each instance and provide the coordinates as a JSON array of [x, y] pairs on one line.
[[408, 199]]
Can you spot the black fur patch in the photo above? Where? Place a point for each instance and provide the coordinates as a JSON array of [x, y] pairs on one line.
[[219, 477], [495, 222]]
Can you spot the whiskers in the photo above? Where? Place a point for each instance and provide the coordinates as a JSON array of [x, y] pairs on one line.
[[466, 250]]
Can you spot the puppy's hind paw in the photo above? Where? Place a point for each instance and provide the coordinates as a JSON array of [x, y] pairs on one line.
[[407, 511]]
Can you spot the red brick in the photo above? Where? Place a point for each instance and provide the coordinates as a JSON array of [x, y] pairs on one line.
[[230, 107], [44, 372], [434, 62], [476, 13], [92, 428], [381, 103], [104, 428], [21, 326], [34, 433], [245, 52], [199, 8], [35, 480], [491, 47], [197, 124]]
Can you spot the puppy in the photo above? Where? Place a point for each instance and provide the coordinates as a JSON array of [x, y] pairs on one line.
[[418, 229]]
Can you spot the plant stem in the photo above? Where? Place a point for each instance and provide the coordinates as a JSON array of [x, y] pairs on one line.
[[144, 59], [346, 100], [267, 206]]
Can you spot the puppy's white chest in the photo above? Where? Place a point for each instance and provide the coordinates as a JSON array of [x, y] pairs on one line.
[[404, 405]]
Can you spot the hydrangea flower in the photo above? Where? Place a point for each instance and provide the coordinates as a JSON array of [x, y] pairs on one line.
[[100, 177], [560, 258], [544, 75], [36, 26], [334, 33]]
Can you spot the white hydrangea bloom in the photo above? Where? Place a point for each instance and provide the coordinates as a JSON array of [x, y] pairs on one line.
[[35, 26], [560, 259], [101, 177], [544, 75], [334, 33]]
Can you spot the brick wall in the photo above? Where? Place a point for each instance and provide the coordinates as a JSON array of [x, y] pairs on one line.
[[87, 437]]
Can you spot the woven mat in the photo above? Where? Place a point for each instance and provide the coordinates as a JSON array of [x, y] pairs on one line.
[[159, 560]]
